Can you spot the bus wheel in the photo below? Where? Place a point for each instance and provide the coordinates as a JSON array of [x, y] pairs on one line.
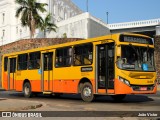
[[27, 90], [87, 92], [118, 97]]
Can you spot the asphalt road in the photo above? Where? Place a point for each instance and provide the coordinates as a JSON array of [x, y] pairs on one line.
[[101, 103], [72, 103]]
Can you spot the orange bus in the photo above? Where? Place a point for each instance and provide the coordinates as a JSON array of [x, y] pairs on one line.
[[115, 65]]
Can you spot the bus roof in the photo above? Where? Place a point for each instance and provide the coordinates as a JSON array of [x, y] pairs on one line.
[[114, 37]]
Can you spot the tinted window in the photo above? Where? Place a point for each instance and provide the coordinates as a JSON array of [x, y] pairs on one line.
[[63, 57], [5, 63], [22, 61], [83, 54], [34, 60]]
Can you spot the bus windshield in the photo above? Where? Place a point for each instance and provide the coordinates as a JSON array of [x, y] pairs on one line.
[[136, 58]]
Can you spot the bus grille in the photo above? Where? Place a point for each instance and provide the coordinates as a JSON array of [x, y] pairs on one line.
[[142, 87]]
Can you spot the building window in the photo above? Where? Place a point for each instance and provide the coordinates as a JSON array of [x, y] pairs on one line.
[[3, 33], [83, 54], [20, 31], [65, 16], [54, 9], [3, 18], [16, 30], [64, 57]]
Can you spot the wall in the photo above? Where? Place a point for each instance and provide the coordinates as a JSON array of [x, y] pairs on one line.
[[81, 26], [29, 44], [157, 56], [96, 29]]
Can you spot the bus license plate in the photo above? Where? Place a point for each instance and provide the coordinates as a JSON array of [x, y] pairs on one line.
[[143, 88]]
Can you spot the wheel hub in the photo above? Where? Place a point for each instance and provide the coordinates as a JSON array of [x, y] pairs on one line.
[[26, 90], [87, 92]]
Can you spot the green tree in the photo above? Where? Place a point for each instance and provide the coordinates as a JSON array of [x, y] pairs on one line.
[[47, 25], [29, 12]]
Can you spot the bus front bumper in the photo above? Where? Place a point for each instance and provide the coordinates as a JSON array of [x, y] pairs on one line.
[[122, 88]]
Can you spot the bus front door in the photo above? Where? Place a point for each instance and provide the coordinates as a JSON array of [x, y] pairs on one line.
[[105, 67], [11, 73], [47, 71]]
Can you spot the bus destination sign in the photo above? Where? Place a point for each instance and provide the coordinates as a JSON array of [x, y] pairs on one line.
[[136, 39]]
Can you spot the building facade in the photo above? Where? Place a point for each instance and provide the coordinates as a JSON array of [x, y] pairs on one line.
[[80, 26], [10, 26]]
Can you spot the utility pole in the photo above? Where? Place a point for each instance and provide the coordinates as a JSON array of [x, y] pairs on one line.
[[87, 5], [107, 16]]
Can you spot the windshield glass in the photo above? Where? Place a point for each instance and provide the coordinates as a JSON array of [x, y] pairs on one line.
[[136, 58]]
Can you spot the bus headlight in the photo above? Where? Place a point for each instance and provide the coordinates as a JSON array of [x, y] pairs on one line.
[[124, 81]]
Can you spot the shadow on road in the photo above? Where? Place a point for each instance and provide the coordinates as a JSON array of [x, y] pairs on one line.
[[99, 99]]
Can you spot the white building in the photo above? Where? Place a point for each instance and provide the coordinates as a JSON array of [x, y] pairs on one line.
[[80, 26], [66, 15], [10, 27]]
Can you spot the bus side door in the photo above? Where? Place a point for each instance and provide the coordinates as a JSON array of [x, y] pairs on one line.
[[47, 71], [105, 66], [12, 73]]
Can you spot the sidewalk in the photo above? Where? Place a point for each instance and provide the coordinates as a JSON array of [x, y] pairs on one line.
[[15, 105]]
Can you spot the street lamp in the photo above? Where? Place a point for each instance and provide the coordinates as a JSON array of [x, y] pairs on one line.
[[107, 16]]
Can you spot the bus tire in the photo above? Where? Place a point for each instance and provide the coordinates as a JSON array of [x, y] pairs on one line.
[[27, 90], [118, 97], [87, 92]]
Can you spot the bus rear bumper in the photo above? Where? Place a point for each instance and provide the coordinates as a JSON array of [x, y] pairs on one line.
[[121, 88]]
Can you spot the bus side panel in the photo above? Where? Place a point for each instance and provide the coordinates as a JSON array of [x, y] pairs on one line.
[[19, 85], [32, 76], [36, 85], [5, 80], [65, 86], [68, 86], [66, 80], [57, 86]]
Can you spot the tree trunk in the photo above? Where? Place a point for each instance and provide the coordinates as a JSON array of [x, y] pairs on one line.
[[44, 33]]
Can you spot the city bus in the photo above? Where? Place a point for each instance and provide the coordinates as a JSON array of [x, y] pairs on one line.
[[114, 65]]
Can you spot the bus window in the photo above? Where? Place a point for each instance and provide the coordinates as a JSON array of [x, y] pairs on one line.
[[34, 60], [22, 61], [64, 57], [83, 54], [5, 63]]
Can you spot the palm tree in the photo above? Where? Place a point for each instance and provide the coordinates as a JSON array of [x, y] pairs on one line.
[[46, 25], [29, 12]]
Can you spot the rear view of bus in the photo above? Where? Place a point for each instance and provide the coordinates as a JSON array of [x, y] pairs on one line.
[[135, 67]]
